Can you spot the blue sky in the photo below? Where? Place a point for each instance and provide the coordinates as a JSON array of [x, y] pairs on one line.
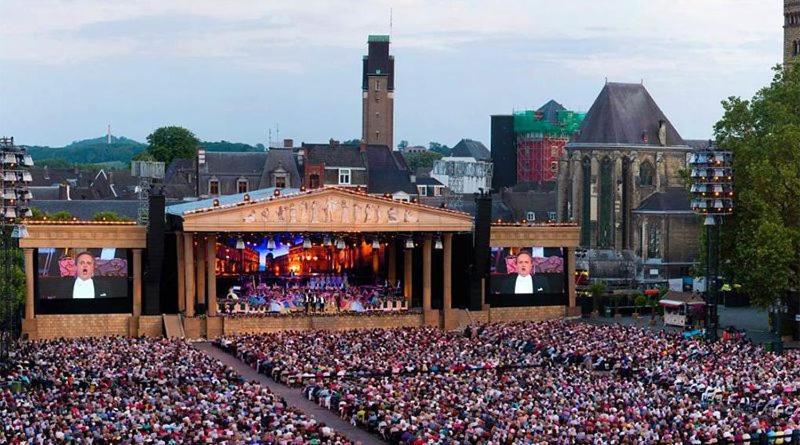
[[234, 69]]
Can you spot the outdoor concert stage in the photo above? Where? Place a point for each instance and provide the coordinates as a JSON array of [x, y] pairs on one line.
[[269, 260]]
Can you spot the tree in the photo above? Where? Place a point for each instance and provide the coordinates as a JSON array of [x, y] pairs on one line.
[[109, 216], [762, 238], [352, 142], [421, 159], [443, 150], [168, 143], [402, 145]]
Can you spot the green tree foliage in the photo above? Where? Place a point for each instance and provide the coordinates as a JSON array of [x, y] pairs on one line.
[[88, 151], [62, 215], [443, 150], [168, 143], [109, 216], [421, 159], [352, 142], [762, 238], [16, 285], [402, 145], [230, 146]]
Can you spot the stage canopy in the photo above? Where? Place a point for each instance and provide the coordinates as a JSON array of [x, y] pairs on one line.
[[332, 209]]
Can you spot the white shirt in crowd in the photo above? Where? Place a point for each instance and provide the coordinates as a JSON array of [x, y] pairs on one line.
[[524, 285], [83, 289]]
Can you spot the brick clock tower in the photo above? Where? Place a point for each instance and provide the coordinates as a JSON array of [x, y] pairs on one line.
[[791, 30], [377, 120]]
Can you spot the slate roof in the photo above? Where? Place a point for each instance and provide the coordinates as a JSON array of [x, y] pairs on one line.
[[427, 180], [246, 163], [550, 111], [387, 173], [622, 114], [467, 204], [671, 200], [49, 193], [347, 156], [86, 209], [280, 158], [467, 148], [541, 203], [699, 144]]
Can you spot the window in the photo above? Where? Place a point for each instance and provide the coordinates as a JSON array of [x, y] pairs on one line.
[[646, 173], [530, 216], [437, 191], [241, 186], [377, 85], [213, 187], [280, 181], [344, 176], [423, 190], [313, 181]]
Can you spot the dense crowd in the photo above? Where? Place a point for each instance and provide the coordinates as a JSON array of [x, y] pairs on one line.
[[551, 382], [132, 391]]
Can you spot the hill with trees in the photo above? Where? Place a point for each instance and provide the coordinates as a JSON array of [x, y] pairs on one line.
[[117, 154]]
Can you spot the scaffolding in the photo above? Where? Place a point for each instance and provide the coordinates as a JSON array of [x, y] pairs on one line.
[[540, 142]]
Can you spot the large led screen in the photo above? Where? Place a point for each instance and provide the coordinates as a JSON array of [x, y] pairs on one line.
[[82, 274], [527, 275]]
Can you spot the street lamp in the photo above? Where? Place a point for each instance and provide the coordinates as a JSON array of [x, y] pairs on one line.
[[712, 197]]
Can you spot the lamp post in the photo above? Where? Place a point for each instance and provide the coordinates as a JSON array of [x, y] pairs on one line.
[[712, 197], [14, 199]]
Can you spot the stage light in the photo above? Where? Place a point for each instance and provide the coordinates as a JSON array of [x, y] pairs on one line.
[[340, 244], [307, 243], [240, 243], [376, 244], [438, 245], [326, 241], [271, 244], [409, 243]]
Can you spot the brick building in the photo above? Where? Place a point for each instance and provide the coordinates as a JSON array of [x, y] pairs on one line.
[[378, 93]]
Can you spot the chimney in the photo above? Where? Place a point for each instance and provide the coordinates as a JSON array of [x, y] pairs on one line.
[[333, 143], [288, 143], [362, 147], [46, 173], [662, 132], [63, 192], [301, 156]]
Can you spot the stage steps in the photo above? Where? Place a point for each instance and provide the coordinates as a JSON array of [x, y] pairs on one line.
[[173, 326]]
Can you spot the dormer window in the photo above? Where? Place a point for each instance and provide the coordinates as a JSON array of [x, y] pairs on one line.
[[241, 185], [213, 186], [280, 181], [344, 176]]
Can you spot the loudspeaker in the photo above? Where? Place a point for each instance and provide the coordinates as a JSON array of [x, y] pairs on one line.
[[480, 273], [154, 263]]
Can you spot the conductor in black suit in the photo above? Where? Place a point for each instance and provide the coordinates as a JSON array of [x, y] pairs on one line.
[[85, 285], [524, 281]]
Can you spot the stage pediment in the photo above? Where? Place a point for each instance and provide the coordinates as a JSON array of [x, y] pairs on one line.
[[326, 210]]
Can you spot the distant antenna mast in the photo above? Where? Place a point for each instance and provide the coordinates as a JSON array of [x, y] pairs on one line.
[[390, 22], [269, 140], [278, 133], [108, 135]]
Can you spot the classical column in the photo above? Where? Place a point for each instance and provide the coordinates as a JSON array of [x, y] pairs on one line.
[[392, 262], [447, 270], [408, 257], [200, 272], [29, 279], [211, 270], [376, 261], [570, 252], [426, 273], [188, 258], [137, 282], [181, 273]]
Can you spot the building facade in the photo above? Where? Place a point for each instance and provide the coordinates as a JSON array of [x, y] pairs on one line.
[[791, 30], [626, 151], [377, 95]]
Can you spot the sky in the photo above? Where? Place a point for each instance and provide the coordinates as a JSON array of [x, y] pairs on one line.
[[234, 69]]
